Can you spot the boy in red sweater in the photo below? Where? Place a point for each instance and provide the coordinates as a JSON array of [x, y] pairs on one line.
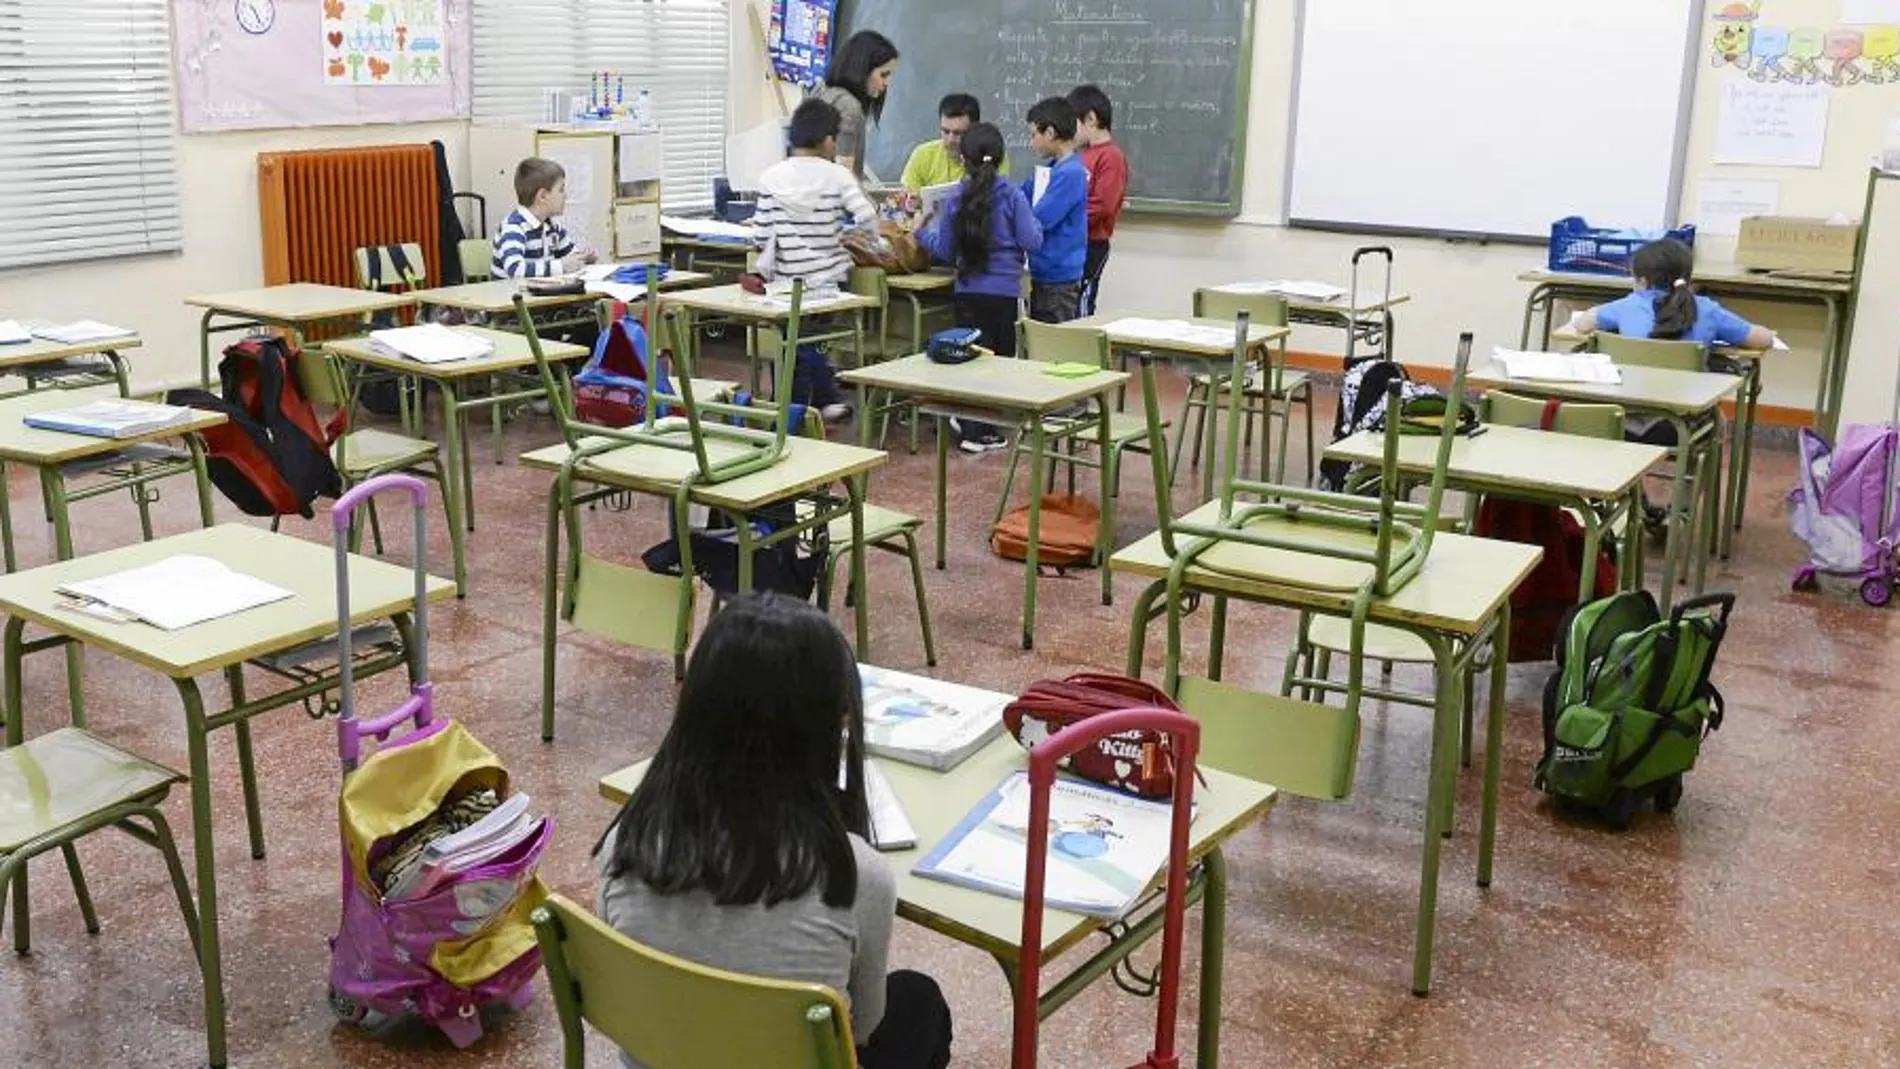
[[1108, 181]]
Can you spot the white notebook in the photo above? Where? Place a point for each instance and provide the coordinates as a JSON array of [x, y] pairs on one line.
[[81, 332], [1175, 331], [890, 825], [173, 593], [111, 418], [431, 343], [1592, 368]]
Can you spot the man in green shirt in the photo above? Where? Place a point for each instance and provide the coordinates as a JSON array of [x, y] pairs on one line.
[[935, 162]]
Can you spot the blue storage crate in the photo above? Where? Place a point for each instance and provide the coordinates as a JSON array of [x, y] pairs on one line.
[[1578, 247]]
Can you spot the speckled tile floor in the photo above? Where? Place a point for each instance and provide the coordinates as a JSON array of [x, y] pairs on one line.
[[1753, 928]]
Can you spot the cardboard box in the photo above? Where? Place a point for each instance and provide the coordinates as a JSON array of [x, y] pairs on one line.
[[1788, 243]]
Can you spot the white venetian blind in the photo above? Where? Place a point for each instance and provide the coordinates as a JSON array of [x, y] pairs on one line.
[[87, 166], [677, 49]]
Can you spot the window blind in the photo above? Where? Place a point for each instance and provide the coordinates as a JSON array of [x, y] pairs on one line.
[[87, 163], [676, 49]]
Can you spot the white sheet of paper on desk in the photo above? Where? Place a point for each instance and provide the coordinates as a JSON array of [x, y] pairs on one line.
[[624, 292], [80, 332], [1594, 368], [1779, 345], [713, 229], [178, 592], [1297, 289], [431, 343], [12, 333], [1177, 331]]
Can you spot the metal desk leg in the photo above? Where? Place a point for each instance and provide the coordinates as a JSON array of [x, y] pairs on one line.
[[1681, 508], [1827, 405], [204, 347], [855, 486], [1633, 564], [247, 764], [455, 481], [1138, 627], [943, 459], [1709, 494], [204, 842], [1038, 444], [6, 523], [1530, 313], [53, 489], [550, 601], [1741, 453], [1105, 534], [1213, 963], [203, 477], [1445, 714], [1494, 742]]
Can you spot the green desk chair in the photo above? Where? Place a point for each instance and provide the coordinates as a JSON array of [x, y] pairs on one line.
[[394, 269], [670, 1013], [1268, 398], [1369, 548], [61, 787], [366, 452], [1053, 343], [1319, 637], [477, 257]]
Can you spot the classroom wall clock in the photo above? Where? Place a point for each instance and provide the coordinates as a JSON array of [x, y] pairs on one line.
[[256, 16]]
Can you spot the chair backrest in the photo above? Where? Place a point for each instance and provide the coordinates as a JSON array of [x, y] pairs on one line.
[[1057, 343], [1671, 355], [870, 282], [377, 266], [1264, 309], [477, 256], [670, 1013], [1572, 417]]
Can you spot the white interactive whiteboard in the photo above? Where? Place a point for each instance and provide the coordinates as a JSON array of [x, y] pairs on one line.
[[1491, 117]]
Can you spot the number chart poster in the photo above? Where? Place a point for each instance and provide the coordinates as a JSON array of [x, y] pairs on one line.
[[386, 42], [263, 64]]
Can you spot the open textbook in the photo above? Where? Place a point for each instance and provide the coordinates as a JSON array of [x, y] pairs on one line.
[[1594, 368], [172, 593]]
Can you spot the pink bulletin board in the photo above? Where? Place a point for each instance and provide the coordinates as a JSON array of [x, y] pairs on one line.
[[259, 64]]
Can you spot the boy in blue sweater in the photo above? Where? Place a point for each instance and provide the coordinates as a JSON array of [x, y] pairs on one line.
[[1061, 206]]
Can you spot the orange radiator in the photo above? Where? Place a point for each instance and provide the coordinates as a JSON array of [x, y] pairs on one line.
[[319, 206]]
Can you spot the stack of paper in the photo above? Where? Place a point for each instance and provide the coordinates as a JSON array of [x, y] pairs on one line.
[[173, 593], [430, 343], [709, 229], [1104, 846], [1163, 332], [778, 295], [1594, 368], [82, 332], [926, 722], [12, 333], [1295, 289], [487, 840], [111, 418]]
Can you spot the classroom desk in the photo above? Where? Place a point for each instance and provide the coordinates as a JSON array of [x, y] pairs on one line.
[[1010, 392], [1366, 315], [511, 354], [378, 591], [294, 306], [728, 258], [732, 304], [809, 464], [1203, 359], [1834, 296], [39, 358], [936, 801], [496, 297], [1602, 480], [1692, 403], [1459, 602], [916, 289]]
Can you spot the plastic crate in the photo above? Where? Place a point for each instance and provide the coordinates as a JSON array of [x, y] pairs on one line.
[[1579, 248]]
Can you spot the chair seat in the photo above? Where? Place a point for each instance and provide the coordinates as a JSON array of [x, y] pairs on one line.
[[1291, 383], [371, 448], [1382, 643], [879, 523], [62, 777]]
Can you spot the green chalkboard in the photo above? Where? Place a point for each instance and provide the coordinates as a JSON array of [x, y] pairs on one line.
[[1177, 71]]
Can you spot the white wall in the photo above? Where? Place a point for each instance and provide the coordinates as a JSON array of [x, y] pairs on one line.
[[218, 187]]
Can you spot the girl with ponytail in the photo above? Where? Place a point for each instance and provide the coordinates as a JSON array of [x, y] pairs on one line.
[[1664, 305], [985, 230]]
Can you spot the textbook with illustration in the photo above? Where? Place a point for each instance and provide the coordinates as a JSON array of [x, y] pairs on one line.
[[430, 343], [927, 722], [1593, 368], [173, 593], [111, 418], [1105, 847]]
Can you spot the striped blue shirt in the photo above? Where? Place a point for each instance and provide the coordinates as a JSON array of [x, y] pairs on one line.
[[526, 247]]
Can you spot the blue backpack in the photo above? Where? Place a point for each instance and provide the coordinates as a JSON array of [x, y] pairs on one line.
[[611, 391]]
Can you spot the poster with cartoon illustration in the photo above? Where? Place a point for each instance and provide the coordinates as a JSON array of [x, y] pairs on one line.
[[382, 42], [1859, 51], [1105, 847]]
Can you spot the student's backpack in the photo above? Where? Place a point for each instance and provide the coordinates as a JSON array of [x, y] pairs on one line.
[[791, 566], [1846, 507], [1627, 709], [271, 456], [1066, 533], [611, 390], [1362, 408]]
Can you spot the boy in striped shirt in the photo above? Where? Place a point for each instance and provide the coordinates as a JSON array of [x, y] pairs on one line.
[[531, 242], [803, 201]]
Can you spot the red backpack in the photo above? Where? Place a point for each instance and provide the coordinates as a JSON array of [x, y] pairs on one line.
[[1138, 762], [271, 456]]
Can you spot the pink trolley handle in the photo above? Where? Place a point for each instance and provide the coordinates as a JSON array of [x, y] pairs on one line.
[[420, 705], [1185, 742]]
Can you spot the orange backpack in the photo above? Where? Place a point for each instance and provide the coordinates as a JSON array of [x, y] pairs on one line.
[[1068, 529]]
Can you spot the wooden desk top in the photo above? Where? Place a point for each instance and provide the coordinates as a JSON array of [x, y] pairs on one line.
[[1726, 277], [936, 801], [734, 301], [1463, 583], [497, 295], [808, 464], [994, 382], [41, 351], [300, 302], [40, 448], [1257, 335], [1643, 389], [511, 352], [1361, 304], [307, 569], [1506, 458], [925, 282]]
